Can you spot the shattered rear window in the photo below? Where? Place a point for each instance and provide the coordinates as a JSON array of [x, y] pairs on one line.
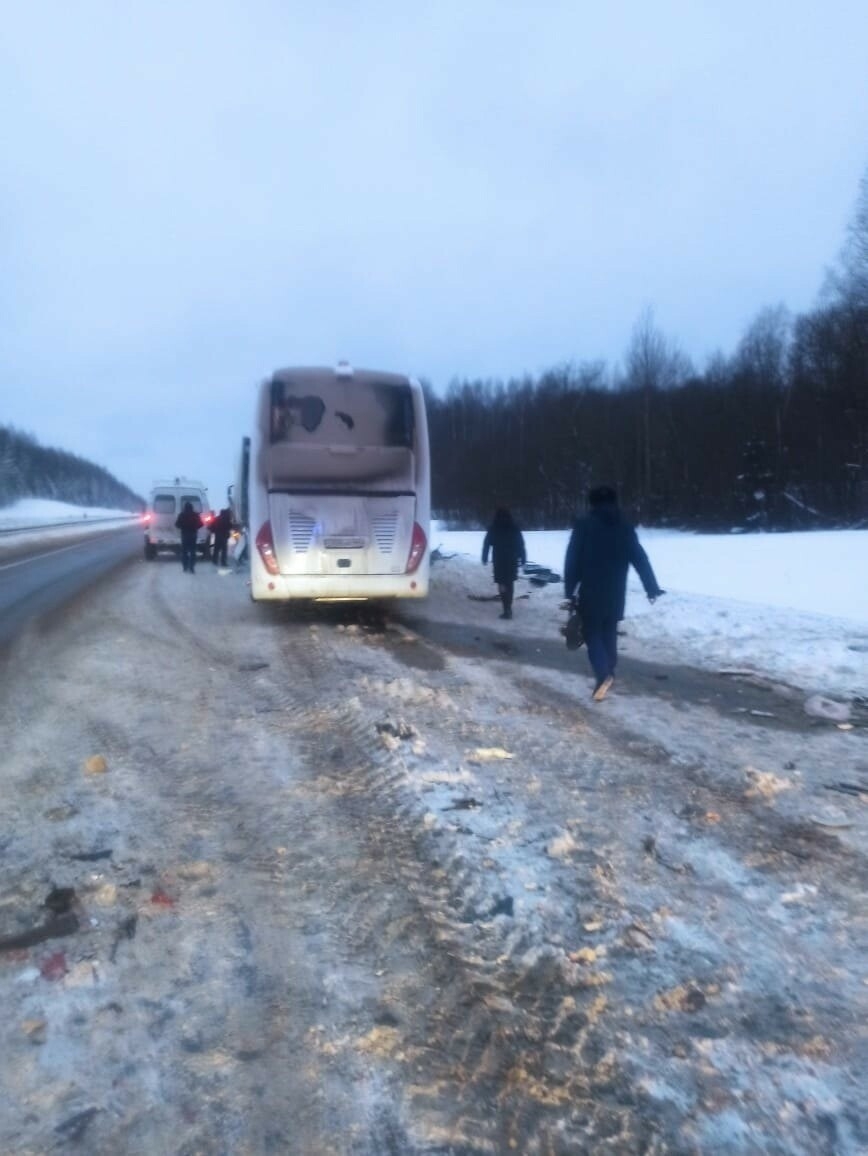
[[345, 413]]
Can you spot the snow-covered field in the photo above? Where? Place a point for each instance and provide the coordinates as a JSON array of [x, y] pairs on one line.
[[792, 606], [42, 519], [35, 511]]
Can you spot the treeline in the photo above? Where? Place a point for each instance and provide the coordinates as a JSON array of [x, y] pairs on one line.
[[29, 470], [773, 436]]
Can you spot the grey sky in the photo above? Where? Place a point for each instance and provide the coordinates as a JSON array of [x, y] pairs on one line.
[[192, 194]]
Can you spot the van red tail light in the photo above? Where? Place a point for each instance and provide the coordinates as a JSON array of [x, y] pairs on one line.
[[265, 546], [418, 545], [146, 518]]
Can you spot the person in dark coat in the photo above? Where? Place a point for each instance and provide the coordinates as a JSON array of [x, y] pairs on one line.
[[506, 543], [602, 548], [189, 523], [221, 528]]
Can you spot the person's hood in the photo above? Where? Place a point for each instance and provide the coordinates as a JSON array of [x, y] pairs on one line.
[[608, 513]]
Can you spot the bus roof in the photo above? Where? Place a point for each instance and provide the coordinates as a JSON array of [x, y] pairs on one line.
[[320, 375]]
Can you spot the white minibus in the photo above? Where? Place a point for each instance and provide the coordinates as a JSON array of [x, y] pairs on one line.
[[166, 501]]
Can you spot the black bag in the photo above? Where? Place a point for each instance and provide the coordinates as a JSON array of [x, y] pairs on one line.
[[573, 632]]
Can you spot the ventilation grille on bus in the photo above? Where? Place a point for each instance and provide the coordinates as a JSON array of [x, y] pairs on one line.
[[384, 527], [300, 531]]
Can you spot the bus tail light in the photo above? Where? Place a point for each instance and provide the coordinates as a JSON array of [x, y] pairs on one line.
[[265, 546], [417, 549]]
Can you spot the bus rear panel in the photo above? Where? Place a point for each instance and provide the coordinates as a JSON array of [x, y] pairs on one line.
[[339, 487]]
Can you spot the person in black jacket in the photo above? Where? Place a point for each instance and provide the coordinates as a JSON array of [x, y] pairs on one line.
[[221, 528], [506, 543], [602, 548], [189, 523]]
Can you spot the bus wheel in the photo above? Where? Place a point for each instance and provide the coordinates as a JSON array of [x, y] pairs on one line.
[[150, 552]]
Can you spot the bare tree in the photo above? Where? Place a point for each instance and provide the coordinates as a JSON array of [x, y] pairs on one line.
[[653, 363], [763, 352], [855, 256]]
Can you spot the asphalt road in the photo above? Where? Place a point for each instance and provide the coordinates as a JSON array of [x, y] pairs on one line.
[[36, 583]]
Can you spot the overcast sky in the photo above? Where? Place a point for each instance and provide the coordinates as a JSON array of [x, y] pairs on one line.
[[195, 193]]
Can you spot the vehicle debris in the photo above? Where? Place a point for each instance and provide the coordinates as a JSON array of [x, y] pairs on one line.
[[398, 730], [469, 804], [62, 921], [60, 899], [126, 930], [73, 1129]]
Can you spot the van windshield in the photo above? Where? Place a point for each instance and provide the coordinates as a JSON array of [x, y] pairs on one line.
[[342, 413]]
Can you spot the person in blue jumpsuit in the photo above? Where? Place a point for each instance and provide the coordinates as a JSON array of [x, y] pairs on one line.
[[602, 547]]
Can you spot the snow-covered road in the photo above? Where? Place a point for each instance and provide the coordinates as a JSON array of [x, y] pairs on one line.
[[351, 886]]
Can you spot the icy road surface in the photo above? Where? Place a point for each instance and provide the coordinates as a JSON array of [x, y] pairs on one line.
[[320, 884]]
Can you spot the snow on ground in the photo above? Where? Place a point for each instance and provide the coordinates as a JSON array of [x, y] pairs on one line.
[[438, 882], [33, 511], [44, 521], [791, 606]]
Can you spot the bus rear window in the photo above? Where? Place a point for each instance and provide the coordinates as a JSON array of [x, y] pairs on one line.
[[164, 503], [342, 413], [194, 500]]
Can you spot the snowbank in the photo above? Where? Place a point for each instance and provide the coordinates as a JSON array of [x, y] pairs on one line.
[[792, 606], [32, 511]]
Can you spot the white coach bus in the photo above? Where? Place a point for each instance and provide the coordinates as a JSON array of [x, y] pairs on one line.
[[339, 487]]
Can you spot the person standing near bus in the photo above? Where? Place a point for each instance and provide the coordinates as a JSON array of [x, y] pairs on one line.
[[602, 548], [189, 523], [506, 543], [221, 528]]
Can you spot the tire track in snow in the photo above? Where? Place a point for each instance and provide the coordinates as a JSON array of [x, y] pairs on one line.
[[512, 1021]]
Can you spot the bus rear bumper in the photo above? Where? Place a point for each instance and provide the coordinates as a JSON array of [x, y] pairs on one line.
[[335, 588]]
